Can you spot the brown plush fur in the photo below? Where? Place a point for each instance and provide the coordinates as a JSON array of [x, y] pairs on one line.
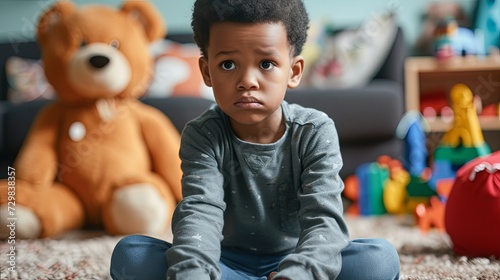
[[68, 183]]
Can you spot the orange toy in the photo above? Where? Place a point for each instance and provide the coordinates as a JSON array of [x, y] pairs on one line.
[[97, 156], [432, 215], [351, 191]]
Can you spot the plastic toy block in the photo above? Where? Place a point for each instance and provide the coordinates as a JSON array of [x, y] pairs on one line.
[[460, 155], [419, 188], [443, 188], [377, 178], [372, 178], [465, 130], [395, 192], [441, 169], [363, 198]]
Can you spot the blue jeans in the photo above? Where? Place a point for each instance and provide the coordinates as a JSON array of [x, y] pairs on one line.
[[141, 257]]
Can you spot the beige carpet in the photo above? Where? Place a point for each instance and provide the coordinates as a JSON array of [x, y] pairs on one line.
[[85, 255], [424, 256]]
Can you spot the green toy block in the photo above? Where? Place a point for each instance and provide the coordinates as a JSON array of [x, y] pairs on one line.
[[419, 188], [460, 155], [377, 176]]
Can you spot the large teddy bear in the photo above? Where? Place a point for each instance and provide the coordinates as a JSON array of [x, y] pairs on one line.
[[96, 156]]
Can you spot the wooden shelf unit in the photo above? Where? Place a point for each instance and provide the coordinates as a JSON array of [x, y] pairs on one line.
[[426, 75]]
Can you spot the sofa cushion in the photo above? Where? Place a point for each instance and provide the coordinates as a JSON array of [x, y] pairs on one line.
[[26, 80], [28, 50], [176, 71], [351, 58]]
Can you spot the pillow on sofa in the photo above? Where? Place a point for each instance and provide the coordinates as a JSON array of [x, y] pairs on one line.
[[26, 80], [351, 58], [176, 71]]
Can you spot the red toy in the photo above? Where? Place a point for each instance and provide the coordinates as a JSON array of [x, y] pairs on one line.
[[472, 215]]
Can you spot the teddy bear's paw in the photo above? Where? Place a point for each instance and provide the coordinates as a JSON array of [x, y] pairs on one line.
[[139, 209], [19, 222]]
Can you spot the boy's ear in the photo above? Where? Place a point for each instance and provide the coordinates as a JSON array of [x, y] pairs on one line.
[[296, 71], [205, 73]]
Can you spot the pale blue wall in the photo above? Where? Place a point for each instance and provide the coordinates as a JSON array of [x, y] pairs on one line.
[[18, 17]]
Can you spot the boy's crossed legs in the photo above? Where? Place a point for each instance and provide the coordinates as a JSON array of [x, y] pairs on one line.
[[141, 257]]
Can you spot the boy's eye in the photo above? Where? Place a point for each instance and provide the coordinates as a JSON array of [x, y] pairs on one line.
[[266, 65], [227, 65]]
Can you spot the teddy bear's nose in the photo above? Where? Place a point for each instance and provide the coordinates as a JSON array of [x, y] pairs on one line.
[[99, 61]]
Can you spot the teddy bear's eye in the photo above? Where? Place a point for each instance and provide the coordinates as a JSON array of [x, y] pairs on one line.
[[115, 44], [83, 43]]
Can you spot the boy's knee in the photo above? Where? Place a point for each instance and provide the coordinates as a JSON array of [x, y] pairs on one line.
[[383, 246], [127, 245], [138, 256], [122, 257], [378, 258], [386, 258]]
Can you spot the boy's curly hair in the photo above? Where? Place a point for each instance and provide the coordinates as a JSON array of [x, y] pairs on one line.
[[291, 13]]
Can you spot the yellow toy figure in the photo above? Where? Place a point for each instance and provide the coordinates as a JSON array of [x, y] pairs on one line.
[[395, 194], [466, 129], [464, 140], [97, 156]]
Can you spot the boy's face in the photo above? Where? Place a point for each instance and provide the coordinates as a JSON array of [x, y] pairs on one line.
[[250, 67]]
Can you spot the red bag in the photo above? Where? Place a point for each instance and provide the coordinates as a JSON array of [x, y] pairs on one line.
[[472, 215]]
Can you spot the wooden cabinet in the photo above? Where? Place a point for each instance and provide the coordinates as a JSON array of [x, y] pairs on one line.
[[425, 76]]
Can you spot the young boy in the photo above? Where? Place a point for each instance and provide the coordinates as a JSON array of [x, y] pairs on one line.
[[262, 194]]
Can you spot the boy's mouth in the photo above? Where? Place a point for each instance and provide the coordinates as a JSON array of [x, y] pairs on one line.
[[247, 103]]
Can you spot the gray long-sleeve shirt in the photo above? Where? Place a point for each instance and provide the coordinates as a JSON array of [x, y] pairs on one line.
[[278, 198]]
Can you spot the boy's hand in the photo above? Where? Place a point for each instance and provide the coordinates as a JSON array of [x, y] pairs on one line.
[[271, 275]]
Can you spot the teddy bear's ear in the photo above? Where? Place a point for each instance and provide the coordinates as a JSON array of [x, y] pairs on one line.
[[52, 16], [148, 16]]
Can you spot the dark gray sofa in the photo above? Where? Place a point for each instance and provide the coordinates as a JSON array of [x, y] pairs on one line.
[[366, 118]]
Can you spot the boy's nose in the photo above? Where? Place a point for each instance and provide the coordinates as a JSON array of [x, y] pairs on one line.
[[248, 81]]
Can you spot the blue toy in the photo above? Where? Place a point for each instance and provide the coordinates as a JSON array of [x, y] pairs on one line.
[[412, 129], [372, 178], [441, 169]]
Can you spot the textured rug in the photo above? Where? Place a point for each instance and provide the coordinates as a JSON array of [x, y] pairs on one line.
[[86, 255]]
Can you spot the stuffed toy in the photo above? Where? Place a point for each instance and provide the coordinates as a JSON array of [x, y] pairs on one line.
[[472, 215], [96, 157], [433, 15]]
